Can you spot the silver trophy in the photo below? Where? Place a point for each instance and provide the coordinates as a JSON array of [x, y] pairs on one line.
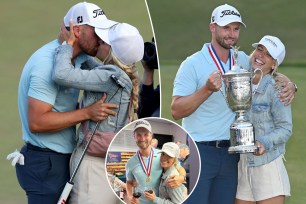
[[238, 82]]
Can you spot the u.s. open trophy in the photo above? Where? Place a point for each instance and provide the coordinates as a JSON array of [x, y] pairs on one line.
[[238, 82]]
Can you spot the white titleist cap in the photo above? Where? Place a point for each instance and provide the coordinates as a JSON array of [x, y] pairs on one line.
[[171, 149], [125, 40], [144, 124], [274, 46], [226, 14], [87, 14]]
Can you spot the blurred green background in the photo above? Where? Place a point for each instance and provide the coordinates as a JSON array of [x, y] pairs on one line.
[[181, 29], [26, 26]]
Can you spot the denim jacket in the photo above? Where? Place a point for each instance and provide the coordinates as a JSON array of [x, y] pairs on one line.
[[272, 121], [169, 195], [95, 79]]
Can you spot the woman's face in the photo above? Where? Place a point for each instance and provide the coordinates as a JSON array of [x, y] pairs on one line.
[[103, 50], [166, 161], [262, 59]]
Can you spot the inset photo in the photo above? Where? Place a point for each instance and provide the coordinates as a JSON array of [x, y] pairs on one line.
[[153, 160]]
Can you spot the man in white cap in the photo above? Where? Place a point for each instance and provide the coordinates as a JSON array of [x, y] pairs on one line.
[[121, 47], [206, 115], [144, 167], [48, 114]]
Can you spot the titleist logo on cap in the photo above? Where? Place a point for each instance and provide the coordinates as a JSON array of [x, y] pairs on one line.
[[98, 12], [229, 12], [271, 41]]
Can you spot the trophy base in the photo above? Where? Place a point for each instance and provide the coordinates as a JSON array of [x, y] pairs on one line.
[[242, 149]]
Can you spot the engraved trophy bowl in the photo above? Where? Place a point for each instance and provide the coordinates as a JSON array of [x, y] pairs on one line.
[[238, 83]]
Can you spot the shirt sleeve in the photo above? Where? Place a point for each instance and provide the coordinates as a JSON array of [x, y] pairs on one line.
[[42, 87], [244, 61], [128, 173], [185, 82], [91, 79]]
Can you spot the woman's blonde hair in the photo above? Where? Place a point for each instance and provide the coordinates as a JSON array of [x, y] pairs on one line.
[[176, 163], [131, 71]]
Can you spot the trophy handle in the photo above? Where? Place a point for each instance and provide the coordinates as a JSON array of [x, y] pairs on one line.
[[223, 94], [261, 75]]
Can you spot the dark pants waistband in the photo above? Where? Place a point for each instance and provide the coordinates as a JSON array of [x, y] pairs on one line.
[[39, 149], [216, 143]]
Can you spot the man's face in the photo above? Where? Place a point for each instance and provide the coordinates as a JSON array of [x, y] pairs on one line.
[[88, 40], [228, 35], [142, 138], [103, 50]]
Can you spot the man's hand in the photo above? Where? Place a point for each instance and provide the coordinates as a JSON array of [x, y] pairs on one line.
[[214, 82], [286, 88], [286, 93], [175, 181], [134, 200], [100, 111]]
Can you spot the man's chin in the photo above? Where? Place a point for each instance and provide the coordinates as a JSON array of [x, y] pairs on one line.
[[143, 146]]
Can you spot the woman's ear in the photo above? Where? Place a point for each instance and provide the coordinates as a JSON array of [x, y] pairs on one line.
[[274, 65]]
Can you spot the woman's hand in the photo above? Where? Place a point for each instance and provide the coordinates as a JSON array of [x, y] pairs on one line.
[[66, 35], [71, 39], [260, 149]]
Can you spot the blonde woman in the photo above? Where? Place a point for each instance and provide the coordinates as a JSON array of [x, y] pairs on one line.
[[170, 164], [262, 177], [116, 82]]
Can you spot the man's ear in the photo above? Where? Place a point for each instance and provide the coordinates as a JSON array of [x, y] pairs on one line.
[[76, 31], [212, 27]]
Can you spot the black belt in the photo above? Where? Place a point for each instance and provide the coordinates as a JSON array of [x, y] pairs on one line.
[[217, 143], [39, 149]]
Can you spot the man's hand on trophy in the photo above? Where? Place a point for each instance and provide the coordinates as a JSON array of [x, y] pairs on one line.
[[260, 149], [214, 81]]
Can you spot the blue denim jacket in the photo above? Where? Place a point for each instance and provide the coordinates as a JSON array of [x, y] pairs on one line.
[[272, 121], [95, 79]]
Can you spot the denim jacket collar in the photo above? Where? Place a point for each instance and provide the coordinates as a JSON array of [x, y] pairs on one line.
[[265, 81]]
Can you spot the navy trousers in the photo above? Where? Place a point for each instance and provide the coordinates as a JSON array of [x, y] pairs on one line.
[[218, 179], [44, 175]]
